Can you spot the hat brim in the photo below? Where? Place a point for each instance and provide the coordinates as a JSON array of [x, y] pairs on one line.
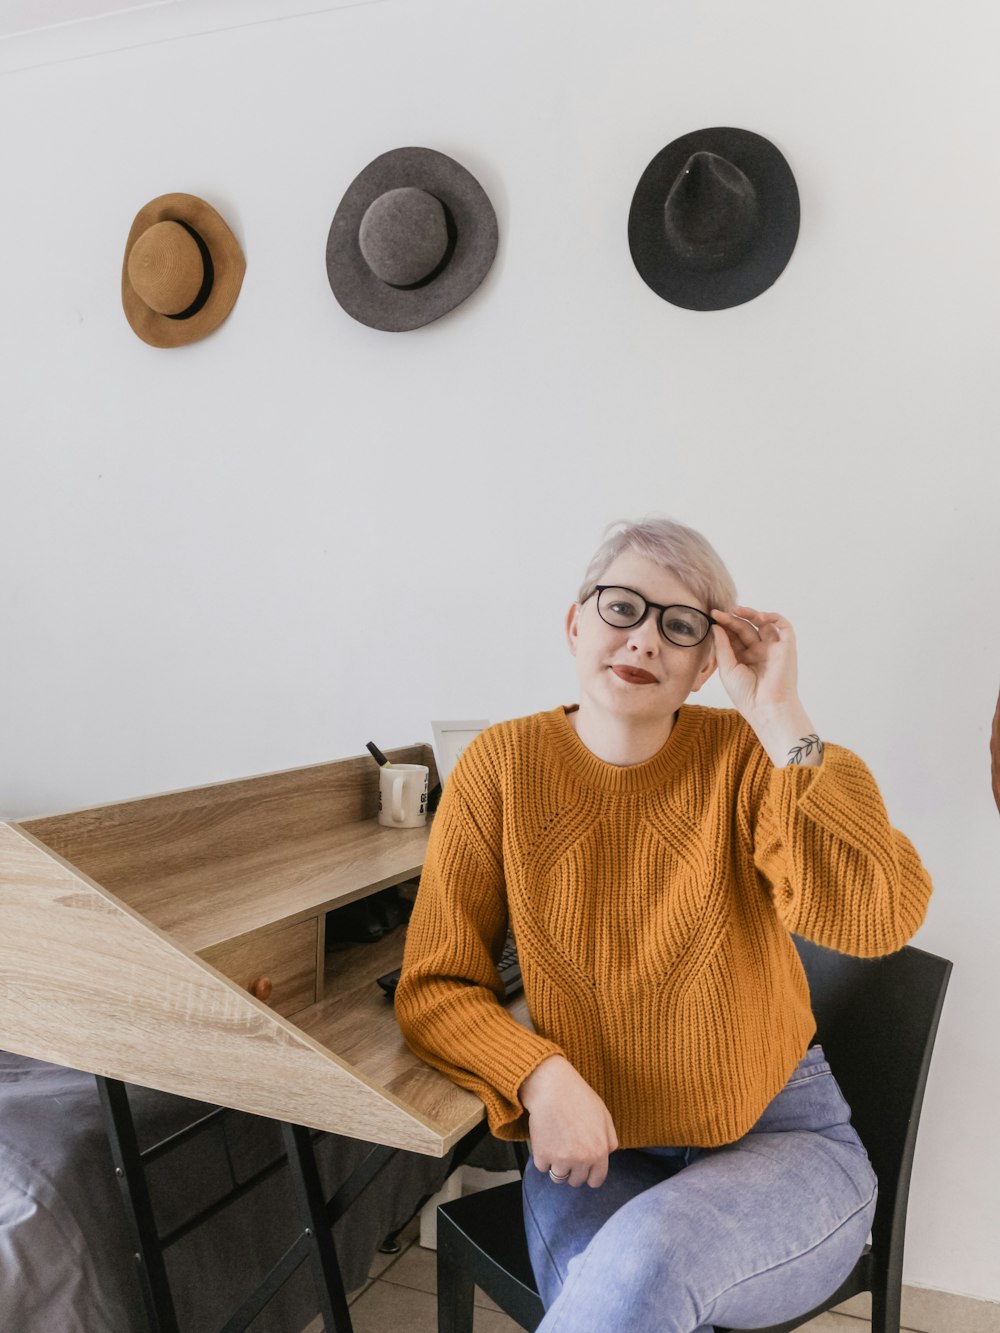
[[228, 266], [364, 295], [667, 272]]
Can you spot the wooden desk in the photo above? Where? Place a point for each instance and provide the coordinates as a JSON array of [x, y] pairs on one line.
[[130, 934]]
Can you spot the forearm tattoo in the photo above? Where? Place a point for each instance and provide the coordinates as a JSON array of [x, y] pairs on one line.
[[805, 748]]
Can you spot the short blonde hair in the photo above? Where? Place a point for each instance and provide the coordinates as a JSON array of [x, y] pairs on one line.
[[682, 550]]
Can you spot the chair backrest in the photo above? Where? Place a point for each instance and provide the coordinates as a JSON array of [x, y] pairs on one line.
[[877, 1019]]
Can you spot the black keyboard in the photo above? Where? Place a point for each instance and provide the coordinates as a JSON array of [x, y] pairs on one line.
[[510, 971]]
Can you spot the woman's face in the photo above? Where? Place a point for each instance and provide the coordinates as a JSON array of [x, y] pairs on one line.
[[635, 674]]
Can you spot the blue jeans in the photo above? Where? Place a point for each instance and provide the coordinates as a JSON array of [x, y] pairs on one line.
[[677, 1240]]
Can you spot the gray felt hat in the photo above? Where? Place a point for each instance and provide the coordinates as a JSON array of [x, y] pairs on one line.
[[414, 235]]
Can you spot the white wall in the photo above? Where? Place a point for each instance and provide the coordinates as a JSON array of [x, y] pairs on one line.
[[262, 550]]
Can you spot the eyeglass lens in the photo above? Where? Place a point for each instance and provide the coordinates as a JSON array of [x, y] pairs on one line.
[[684, 626]]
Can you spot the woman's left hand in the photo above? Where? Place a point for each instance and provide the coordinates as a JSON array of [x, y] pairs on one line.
[[757, 658], [758, 667]]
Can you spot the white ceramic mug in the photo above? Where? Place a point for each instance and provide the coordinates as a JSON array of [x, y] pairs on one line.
[[402, 795]]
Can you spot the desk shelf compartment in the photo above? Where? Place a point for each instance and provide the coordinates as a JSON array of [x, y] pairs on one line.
[[129, 933]]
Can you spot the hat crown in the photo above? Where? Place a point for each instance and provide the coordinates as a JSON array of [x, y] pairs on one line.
[[403, 236], [711, 215], [166, 268]]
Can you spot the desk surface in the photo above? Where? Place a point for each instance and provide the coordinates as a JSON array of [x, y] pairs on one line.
[[103, 914], [355, 1019]]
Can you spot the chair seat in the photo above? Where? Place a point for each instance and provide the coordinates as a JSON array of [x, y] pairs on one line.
[[487, 1228]]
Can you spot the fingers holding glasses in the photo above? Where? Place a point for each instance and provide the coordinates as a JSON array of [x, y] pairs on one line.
[[740, 632], [750, 627], [734, 623], [758, 619], [762, 617], [757, 659]]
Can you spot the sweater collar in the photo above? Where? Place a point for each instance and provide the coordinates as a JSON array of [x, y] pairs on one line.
[[615, 778]]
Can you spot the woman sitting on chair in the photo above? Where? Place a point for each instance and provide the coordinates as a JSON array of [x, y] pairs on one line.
[[652, 858]]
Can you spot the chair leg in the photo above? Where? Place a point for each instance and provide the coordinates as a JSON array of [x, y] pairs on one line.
[[455, 1287], [886, 1306]]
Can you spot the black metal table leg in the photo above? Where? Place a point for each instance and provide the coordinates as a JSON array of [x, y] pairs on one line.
[[131, 1178], [313, 1210], [317, 1216]]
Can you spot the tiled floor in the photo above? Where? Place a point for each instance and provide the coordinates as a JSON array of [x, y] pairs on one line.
[[401, 1296]]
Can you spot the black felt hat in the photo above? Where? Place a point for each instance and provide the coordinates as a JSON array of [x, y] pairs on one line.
[[414, 235], [714, 219]]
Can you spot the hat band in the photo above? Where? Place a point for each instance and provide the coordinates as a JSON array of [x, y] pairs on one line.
[[204, 291], [452, 233]]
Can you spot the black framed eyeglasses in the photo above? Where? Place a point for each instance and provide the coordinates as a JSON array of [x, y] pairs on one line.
[[624, 608]]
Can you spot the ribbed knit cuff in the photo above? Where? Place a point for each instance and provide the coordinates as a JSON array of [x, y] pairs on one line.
[[860, 886], [840, 796], [476, 1042]]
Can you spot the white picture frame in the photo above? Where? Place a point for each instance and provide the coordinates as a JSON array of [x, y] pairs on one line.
[[450, 739]]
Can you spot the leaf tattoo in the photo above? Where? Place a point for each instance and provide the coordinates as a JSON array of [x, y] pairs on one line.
[[805, 748]]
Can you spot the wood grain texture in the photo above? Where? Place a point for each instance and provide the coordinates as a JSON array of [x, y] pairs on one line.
[[355, 1018], [207, 903], [87, 982], [103, 914], [123, 844], [284, 955]]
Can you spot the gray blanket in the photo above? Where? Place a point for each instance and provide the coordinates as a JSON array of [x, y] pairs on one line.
[[65, 1258]]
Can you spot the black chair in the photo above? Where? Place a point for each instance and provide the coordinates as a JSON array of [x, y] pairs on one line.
[[877, 1020]]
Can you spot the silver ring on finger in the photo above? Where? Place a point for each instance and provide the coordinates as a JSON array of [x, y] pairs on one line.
[[557, 1179]]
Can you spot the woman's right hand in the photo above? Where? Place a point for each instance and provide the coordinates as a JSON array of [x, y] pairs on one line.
[[569, 1126]]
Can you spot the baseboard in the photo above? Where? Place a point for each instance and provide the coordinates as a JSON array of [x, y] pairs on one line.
[[924, 1311], [928, 1311]]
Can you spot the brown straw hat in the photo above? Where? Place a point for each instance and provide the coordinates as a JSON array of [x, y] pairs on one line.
[[414, 235], [182, 272]]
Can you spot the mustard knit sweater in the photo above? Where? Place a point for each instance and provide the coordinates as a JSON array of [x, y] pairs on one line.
[[652, 907]]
